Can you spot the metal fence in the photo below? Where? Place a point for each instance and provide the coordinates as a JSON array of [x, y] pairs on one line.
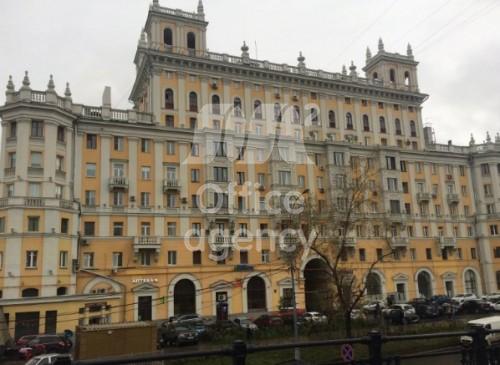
[[479, 352]]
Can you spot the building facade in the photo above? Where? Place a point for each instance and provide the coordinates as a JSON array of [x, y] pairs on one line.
[[112, 215]]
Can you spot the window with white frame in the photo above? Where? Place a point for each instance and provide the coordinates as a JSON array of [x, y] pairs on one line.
[[31, 259], [146, 173], [63, 259]]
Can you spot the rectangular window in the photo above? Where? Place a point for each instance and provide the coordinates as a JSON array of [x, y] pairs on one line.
[[265, 256], [485, 169], [380, 254], [88, 260], [145, 145], [494, 230], [196, 229], [285, 177], [413, 254], [61, 134], [12, 160], [145, 229], [195, 149], [91, 141], [117, 260], [428, 253], [36, 159], [172, 258], [118, 198], [362, 254], [90, 198], [63, 259], [33, 224], [31, 259], [2, 224], [220, 174], [169, 121], [196, 257], [118, 143], [117, 229], [195, 175], [59, 163], [170, 148], [338, 158], [37, 129], [172, 229], [240, 177], [90, 170], [13, 130], [89, 228], [64, 225], [243, 257], [390, 162], [473, 254], [146, 173], [35, 190], [145, 200], [145, 257]]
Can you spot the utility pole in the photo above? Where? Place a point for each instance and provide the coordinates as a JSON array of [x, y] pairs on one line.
[[294, 304]]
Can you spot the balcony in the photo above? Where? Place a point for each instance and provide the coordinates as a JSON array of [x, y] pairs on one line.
[[171, 185], [220, 242], [34, 202], [35, 171], [396, 218], [9, 171], [424, 197], [65, 204], [60, 174], [447, 242], [453, 198], [147, 242], [400, 242], [349, 242], [118, 183]]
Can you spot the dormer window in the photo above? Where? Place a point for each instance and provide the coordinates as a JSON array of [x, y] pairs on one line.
[[168, 38]]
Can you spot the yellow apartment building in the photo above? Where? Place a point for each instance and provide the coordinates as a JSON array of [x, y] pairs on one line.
[[111, 215]]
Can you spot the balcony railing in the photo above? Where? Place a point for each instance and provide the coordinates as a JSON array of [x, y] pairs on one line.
[[35, 171], [34, 202], [447, 242], [421, 197], [66, 204], [170, 184], [9, 171], [453, 198], [220, 241], [400, 242], [147, 242], [118, 183]]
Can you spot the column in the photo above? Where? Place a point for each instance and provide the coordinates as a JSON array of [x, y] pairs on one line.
[[105, 169]]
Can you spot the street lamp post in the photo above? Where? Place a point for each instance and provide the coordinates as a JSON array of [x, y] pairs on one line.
[[294, 304]]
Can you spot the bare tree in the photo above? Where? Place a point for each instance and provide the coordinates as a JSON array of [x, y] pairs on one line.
[[331, 227]]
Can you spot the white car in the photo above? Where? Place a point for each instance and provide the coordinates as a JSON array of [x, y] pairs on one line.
[[460, 298], [315, 317], [372, 306], [49, 359], [407, 308]]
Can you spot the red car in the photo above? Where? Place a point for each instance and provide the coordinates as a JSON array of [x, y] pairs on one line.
[[267, 320], [23, 341], [44, 344]]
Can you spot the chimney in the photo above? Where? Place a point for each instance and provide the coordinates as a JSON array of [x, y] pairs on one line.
[[106, 103]]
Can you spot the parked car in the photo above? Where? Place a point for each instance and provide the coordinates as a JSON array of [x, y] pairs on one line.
[[315, 317], [425, 308], [401, 314], [440, 299], [24, 340], [372, 306], [49, 359], [489, 323], [245, 323], [44, 344], [176, 335], [186, 318], [473, 306], [460, 298], [267, 320]]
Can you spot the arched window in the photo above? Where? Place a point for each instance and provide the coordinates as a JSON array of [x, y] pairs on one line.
[[374, 286], [277, 112], [191, 40], [407, 78], [29, 293], [375, 76], [168, 38], [366, 123], [237, 107], [397, 124], [413, 128], [314, 116], [169, 99], [392, 75], [331, 119], [257, 109], [193, 102], [383, 128], [62, 290], [470, 282], [348, 121], [296, 114], [215, 104]]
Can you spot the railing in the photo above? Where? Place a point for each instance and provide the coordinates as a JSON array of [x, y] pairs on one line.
[[453, 198], [66, 204], [38, 96], [118, 182], [447, 242], [400, 241], [9, 171], [34, 202], [179, 13], [169, 184], [423, 196], [221, 241], [479, 353], [92, 112], [121, 115], [147, 241]]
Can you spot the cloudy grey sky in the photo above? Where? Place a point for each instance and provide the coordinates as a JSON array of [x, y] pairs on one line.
[[91, 43]]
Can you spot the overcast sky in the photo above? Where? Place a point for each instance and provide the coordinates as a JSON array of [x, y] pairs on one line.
[[92, 43]]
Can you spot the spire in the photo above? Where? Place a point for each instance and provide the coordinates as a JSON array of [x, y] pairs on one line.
[[201, 10], [409, 50], [344, 70], [10, 85], [380, 45], [368, 54], [488, 137], [472, 141], [301, 59], [244, 50], [352, 68], [51, 86], [67, 92], [26, 80]]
